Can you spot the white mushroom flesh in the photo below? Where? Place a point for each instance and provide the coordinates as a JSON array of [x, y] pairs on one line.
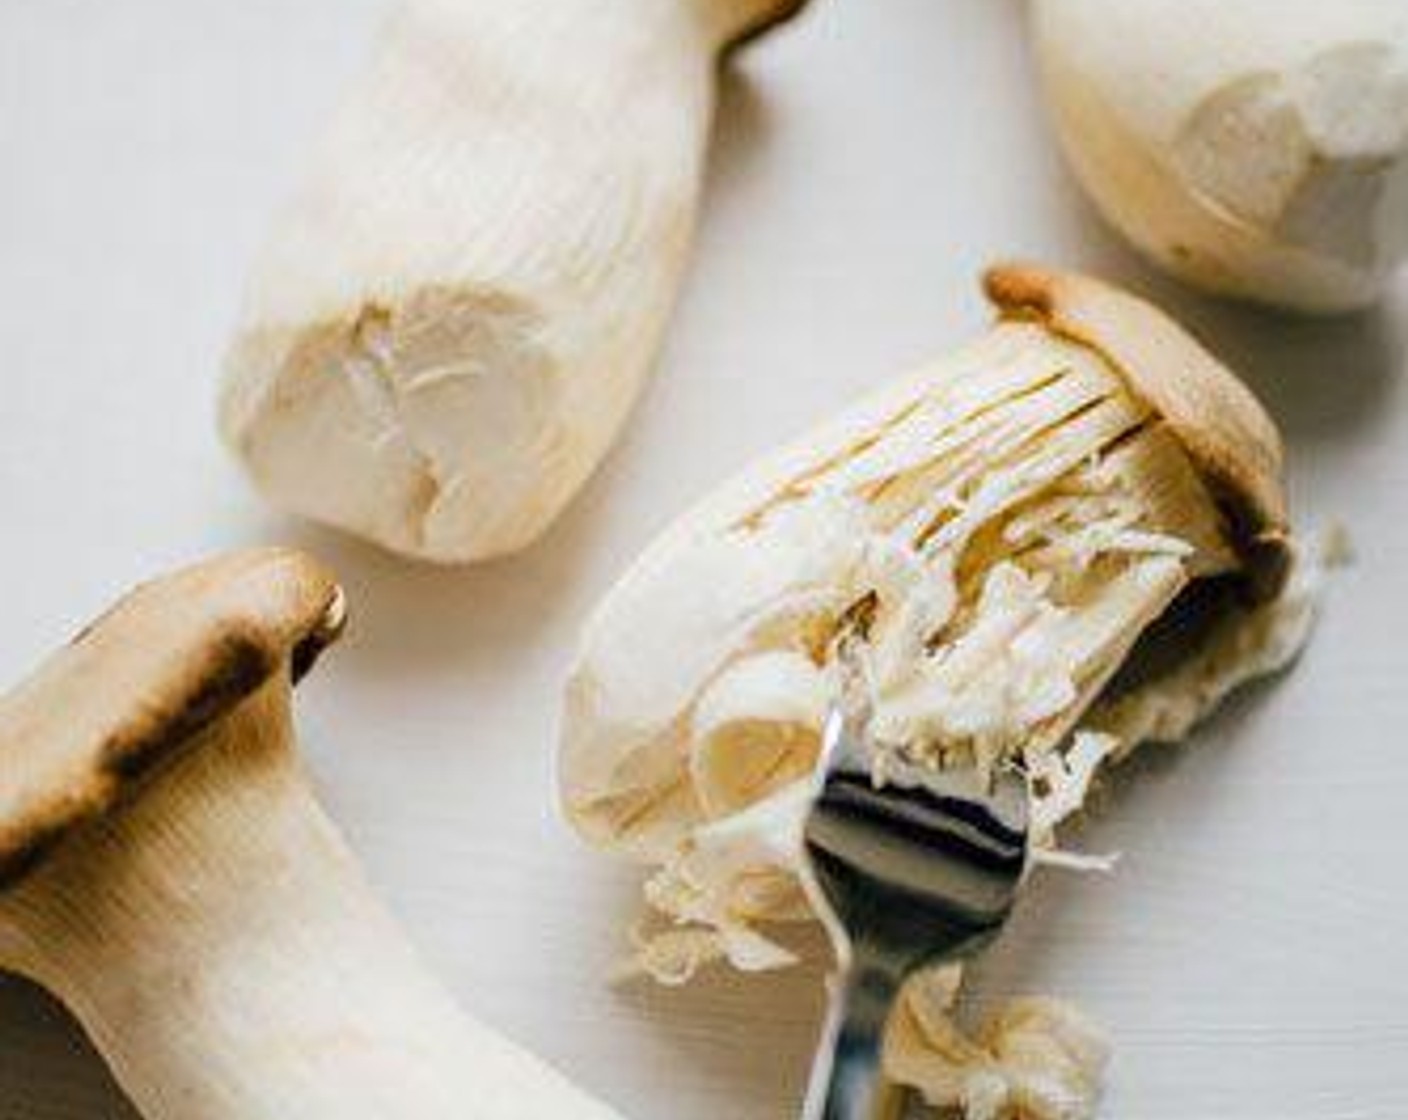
[[1011, 520], [456, 310], [1256, 148]]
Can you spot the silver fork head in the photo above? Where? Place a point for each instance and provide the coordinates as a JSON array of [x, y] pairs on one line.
[[921, 868], [918, 864]]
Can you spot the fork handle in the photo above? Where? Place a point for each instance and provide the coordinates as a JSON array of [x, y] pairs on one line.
[[846, 1082]]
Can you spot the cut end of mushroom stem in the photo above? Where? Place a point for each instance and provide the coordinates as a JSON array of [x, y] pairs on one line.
[[1257, 149], [204, 920], [459, 306]]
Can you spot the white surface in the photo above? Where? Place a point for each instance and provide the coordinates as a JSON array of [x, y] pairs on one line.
[[1246, 955]]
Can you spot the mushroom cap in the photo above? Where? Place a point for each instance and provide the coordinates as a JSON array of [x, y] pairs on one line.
[[1227, 434], [761, 22], [170, 658]]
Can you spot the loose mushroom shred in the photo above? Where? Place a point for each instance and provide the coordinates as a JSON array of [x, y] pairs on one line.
[[1012, 530]]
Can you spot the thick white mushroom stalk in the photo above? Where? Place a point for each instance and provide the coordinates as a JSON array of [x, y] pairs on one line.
[[167, 872], [1001, 528], [1257, 148], [457, 308], [222, 949]]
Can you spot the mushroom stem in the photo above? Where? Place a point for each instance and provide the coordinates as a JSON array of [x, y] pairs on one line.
[[219, 943], [457, 309]]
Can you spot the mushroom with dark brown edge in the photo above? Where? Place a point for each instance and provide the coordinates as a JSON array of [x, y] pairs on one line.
[[1063, 540], [168, 873]]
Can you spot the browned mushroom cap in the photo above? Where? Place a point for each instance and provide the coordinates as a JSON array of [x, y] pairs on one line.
[[171, 657], [763, 22], [1224, 429]]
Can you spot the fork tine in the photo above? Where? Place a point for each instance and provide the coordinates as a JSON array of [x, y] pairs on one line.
[[920, 868]]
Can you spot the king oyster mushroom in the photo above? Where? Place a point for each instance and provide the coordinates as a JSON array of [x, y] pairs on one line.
[[456, 311], [1257, 148], [999, 528], [167, 872]]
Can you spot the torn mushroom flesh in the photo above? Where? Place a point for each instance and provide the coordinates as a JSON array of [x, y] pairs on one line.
[[1010, 521]]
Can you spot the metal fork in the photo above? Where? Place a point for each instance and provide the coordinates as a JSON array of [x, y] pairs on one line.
[[920, 870]]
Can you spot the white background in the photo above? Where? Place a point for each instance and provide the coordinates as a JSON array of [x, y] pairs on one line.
[[1248, 954]]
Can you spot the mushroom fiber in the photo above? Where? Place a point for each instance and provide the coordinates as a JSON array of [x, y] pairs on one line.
[[999, 537], [455, 312], [166, 871], [1255, 148]]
